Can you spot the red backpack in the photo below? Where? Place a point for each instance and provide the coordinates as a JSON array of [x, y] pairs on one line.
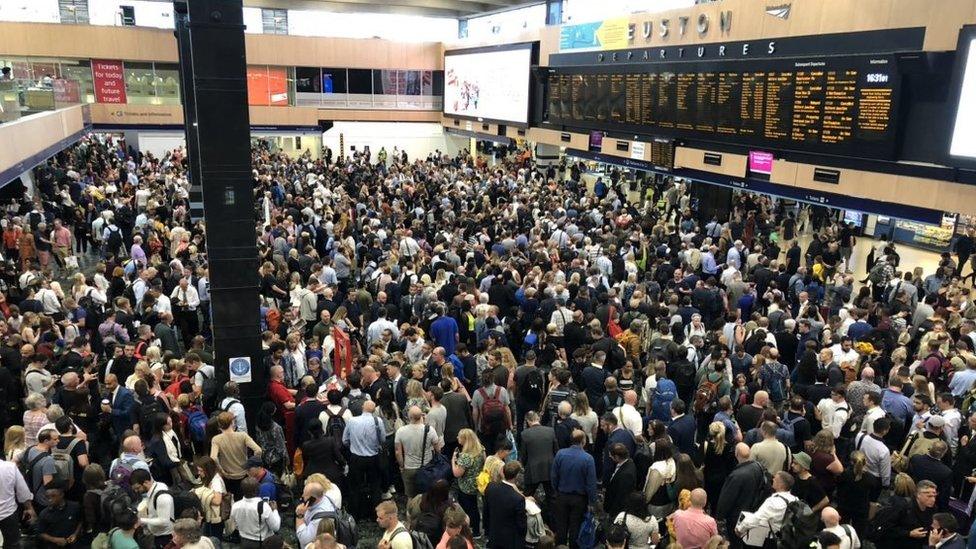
[[492, 411]]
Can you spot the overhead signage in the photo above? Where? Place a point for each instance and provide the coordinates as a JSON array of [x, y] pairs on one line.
[[610, 34], [109, 81], [761, 162], [637, 150]]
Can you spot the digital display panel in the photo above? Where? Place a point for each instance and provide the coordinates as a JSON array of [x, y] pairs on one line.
[[494, 85], [840, 105], [963, 141]]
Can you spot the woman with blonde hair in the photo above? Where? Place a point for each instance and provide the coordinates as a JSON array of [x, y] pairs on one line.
[[332, 490], [416, 397], [854, 490], [586, 417], [719, 459], [14, 443], [466, 463]]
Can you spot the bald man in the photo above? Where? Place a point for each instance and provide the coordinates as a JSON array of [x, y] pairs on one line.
[[363, 436], [628, 415], [740, 493], [857, 390], [132, 457], [119, 405], [693, 528], [415, 444], [847, 534]]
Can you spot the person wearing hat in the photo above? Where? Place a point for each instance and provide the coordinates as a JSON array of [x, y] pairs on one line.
[[265, 479], [920, 442], [807, 487]]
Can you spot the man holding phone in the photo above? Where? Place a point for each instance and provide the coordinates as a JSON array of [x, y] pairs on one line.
[[943, 533], [309, 512]]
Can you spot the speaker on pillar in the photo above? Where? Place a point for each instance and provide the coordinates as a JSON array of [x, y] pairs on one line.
[[210, 34]]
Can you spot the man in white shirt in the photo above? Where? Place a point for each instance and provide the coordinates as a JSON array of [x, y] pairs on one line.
[[952, 417], [834, 411], [395, 534], [848, 536], [156, 511], [13, 492], [187, 301], [844, 351], [256, 519], [232, 404], [376, 328], [628, 415], [873, 403], [754, 528]]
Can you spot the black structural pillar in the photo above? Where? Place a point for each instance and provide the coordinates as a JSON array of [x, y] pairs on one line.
[[214, 87]]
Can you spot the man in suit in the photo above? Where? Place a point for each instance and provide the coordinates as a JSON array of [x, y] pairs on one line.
[[929, 466], [538, 447], [739, 491], [121, 406], [505, 517], [623, 478], [682, 429]]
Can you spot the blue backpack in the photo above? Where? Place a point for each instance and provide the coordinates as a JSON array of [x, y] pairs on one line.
[[665, 392], [776, 384], [587, 534], [197, 422]]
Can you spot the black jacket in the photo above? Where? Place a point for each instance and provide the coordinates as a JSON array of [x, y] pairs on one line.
[[505, 517], [739, 492], [622, 482], [925, 467], [323, 455]]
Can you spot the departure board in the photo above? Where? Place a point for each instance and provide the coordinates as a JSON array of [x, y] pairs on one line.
[[838, 105]]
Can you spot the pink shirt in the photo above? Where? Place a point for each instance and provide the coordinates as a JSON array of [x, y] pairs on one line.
[[694, 528], [62, 237]]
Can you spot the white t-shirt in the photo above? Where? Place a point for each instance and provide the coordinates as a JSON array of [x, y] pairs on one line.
[[833, 415]]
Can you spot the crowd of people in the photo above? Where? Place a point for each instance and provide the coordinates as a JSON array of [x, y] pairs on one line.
[[470, 351]]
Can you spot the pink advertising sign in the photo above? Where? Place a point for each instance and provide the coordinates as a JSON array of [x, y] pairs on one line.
[[760, 162]]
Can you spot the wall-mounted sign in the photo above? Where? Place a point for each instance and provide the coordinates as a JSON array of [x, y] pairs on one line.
[[826, 175], [240, 369], [712, 159], [109, 80], [611, 34], [637, 151]]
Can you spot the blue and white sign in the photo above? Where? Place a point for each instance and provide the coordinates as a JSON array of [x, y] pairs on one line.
[[240, 369]]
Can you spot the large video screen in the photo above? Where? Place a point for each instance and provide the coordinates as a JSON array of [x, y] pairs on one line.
[[489, 85], [837, 105], [963, 144]]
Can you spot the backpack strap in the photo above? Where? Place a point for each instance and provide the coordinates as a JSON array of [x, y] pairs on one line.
[[232, 401], [423, 447], [33, 462]]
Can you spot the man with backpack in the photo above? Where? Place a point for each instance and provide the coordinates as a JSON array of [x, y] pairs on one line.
[[530, 389], [70, 456], [768, 519], [38, 467], [775, 378], [257, 519], [159, 506], [232, 403], [491, 411], [395, 534]]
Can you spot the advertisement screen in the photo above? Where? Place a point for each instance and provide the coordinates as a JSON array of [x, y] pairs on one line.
[[964, 131], [761, 162], [267, 86], [492, 85]]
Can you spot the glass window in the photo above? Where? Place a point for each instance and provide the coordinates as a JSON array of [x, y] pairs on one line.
[[384, 82], [274, 21], [308, 79], [334, 81], [78, 73], [409, 83], [139, 85], [74, 11], [360, 81], [438, 82], [427, 83], [166, 83]]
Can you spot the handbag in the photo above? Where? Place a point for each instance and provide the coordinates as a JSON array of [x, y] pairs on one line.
[[587, 534], [430, 472]]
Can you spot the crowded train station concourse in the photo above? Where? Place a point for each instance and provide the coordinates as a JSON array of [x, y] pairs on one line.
[[460, 274]]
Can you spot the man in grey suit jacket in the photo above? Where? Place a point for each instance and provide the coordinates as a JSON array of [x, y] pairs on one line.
[[536, 452]]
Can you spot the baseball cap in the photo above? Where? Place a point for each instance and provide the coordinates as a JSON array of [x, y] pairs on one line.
[[253, 461]]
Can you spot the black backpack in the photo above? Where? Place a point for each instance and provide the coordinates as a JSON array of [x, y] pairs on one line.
[[885, 519], [533, 386], [345, 525], [147, 413], [800, 525], [336, 425], [209, 390], [182, 500], [114, 501], [114, 240]]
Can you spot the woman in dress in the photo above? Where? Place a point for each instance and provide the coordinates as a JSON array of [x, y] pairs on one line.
[[466, 463]]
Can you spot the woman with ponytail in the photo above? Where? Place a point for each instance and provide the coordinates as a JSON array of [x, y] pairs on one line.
[[719, 459], [854, 492]]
